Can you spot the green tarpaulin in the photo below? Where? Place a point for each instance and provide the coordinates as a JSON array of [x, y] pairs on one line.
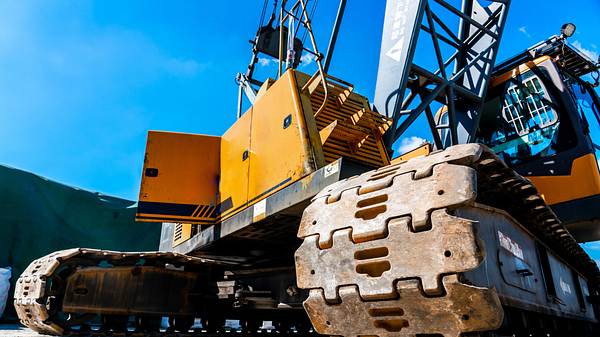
[[39, 216]]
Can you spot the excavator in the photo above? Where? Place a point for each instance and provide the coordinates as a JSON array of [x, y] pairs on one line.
[[303, 214]]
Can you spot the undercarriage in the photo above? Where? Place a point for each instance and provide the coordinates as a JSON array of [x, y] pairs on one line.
[[454, 243]]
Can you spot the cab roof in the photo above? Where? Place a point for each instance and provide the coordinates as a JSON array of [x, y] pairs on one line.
[[573, 60]]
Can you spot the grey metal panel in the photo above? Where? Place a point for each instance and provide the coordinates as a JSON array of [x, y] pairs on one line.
[[515, 287], [491, 273], [166, 237], [516, 271], [585, 292], [477, 77], [405, 90], [401, 28], [565, 284], [297, 193]]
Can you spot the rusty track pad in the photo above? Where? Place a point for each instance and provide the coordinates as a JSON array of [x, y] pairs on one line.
[[463, 309], [449, 247]]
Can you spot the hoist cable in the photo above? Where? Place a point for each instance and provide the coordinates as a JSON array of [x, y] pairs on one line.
[[310, 17], [262, 15]]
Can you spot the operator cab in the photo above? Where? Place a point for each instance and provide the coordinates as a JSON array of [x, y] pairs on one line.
[[542, 117]]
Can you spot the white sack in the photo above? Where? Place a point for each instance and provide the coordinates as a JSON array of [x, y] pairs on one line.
[[4, 287]]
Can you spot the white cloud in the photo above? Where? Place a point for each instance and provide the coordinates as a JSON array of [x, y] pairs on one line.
[[595, 246], [263, 62], [410, 143], [184, 67], [307, 59], [523, 30], [593, 54]]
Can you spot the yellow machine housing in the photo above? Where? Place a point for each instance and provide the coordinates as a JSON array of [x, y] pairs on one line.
[[294, 128]]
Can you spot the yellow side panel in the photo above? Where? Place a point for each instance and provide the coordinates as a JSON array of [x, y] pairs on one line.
[[309, 119], [522, 69], [182, 233], [420, 151], [281, 151], [234, 168], [584, 181], [180, 178]]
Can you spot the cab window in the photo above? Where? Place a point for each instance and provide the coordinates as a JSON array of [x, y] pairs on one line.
[[527, 125], [587, 103]]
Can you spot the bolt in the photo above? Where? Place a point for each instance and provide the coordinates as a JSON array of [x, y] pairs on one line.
[[292, 291]]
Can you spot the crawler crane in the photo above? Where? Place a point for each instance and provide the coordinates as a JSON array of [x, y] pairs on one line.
[[301, 214]]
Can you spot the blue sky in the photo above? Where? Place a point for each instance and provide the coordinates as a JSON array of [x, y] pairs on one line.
[[83, 81]]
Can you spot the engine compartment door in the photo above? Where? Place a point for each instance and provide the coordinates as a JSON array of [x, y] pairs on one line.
[[180, 178]]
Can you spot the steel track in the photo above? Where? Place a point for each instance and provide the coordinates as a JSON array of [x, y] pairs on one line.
[[37, 296], [389, 272]]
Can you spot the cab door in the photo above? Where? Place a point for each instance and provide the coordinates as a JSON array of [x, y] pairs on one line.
[[588, 105], [538, 122], [582, 215]]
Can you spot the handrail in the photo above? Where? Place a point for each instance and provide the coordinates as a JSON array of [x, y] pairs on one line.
[[325, 78], [322, 75]]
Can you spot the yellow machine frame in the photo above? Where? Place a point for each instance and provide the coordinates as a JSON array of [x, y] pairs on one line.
[[293, 129]]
